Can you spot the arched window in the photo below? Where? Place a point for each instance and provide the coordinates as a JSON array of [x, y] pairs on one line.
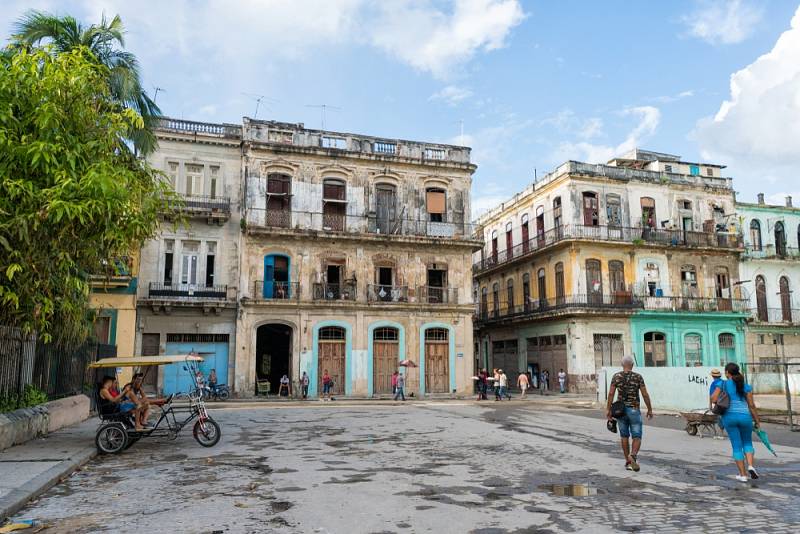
[[557, 221], [755, 235], [542, 287], [526, 291], [496, 298], [655, 349], [613, 210], [780, 240], [331, 333], [727, 348], [594, 282], [559, 270], [786, 299], [510, 294], [761, 299], [334, 204], [616, 276], [693, 350], [386, 333], [509, 240], [590, 209]]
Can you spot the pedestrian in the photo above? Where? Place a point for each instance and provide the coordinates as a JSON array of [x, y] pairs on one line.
[[327, 385], [562, 381], [394, 381], [483, 380], [496, 383], [504, 385], [716, 381], [629, 385], [283, 388], [523, 383], [739, 419], [304, 381], [545, 380], [400, 386]]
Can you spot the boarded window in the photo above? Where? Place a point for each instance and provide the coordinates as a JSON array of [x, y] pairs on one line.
[[435, 201]]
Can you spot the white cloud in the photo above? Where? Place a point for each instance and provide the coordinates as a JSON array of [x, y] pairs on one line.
[[667, 99], [756, 131], [723, 21], [567, 122], [649, 119], [432, 40], [451, 95]]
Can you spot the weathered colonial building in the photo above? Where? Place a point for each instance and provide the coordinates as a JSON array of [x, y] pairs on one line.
[[770, 271], [189, 275], [356, 254], [592, 262]]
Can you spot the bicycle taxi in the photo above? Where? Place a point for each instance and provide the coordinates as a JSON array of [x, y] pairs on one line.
[[118, 430]]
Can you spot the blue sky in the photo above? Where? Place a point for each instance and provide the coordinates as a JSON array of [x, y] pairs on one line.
[[535, 83]]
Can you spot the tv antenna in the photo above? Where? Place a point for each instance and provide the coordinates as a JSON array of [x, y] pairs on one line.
[[323, 108], [155, 93], [460, 123], [259, 99]]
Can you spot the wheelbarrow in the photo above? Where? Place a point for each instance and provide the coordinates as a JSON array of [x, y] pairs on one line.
[[701, 421]]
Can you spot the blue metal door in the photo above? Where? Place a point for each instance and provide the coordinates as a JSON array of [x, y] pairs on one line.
[[269, 276], [215, 356]]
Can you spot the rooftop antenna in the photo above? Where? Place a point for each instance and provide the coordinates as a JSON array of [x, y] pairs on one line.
[[259, 99], [155, 94], [461, 130], [323, 108]]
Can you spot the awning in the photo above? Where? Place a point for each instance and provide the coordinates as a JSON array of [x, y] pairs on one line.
[[143, 361]]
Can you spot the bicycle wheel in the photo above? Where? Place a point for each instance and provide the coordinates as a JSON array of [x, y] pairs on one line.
[[111, 438], [223, 394], [207, 433]]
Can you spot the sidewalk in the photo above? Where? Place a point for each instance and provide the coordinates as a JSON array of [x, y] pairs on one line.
[[30, 469]]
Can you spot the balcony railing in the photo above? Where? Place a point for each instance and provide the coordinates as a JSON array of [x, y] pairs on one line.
[[695, 304], [203, 205], [276, 290], [186, 292], [622, 234], [346, 291], [624, 301], [386, 293], [335, 223], [227, 130], [437, 295], [772, 252], [777, 315], [117, 272]]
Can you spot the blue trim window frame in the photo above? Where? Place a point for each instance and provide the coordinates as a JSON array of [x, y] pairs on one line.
[[694, 170], [269, 289], [348, 360], [401, 350], [451, 341]]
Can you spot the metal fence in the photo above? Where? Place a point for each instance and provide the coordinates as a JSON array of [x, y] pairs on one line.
[[776, 390], [58, 371]]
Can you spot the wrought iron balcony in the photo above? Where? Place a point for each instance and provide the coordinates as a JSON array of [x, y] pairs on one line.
[[437, 295], [203, 206], [114, 273], [346, 291], [777, 315], [186, 292], [771, 252], [695, 304], [387, 293], [621, 234], [276, 290], [621, 302]]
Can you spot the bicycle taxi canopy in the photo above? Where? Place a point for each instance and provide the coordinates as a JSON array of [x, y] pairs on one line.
[[144, 361]]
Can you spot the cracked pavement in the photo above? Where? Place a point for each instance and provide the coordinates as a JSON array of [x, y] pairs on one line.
[[422, 467]]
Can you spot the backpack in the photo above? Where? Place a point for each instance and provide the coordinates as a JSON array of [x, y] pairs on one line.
[[723, 402]]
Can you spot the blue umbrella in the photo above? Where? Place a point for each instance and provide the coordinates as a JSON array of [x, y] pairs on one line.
[[762, 435]]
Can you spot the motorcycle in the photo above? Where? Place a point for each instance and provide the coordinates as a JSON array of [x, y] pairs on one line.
[[219, 392]]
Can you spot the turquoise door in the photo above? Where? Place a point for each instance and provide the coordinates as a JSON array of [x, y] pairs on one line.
[[269, 276], [215, 355]]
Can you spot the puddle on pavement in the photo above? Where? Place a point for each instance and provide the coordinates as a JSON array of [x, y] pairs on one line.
[[570, 490]]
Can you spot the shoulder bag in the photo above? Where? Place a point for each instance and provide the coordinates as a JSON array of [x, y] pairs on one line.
[[723, 402], [618, 407]]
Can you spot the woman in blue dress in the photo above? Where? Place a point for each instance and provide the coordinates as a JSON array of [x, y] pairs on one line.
[[739, 420]]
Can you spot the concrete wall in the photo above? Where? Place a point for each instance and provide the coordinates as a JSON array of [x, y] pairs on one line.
[[670, 388], [26, 424]]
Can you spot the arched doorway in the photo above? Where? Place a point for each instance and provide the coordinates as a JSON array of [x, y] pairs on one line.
[[385, 354], [332, 357], [274, 354], [437, 361]]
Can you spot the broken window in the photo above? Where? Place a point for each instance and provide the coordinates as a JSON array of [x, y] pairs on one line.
[[386, 208], [590, 211], [693, 348], [613, 210], [334, 204], [437, 285], [435, 204], [689, 281], [655, 349]]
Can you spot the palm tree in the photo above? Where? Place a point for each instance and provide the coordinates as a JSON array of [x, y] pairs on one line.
[[65, 33]]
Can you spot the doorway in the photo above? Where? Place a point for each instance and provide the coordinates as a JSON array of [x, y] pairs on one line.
[[332, 357], [273, 354], [386, 210], [437, 361], [385, 352], [150, 344]]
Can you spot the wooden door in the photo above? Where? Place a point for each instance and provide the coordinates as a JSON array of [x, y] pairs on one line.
[[150, 344], [332, 358], [437, 364], [384, 363], [525, 237], [386, 208]]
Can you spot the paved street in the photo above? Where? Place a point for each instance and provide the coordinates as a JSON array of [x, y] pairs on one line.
[[426, 467]]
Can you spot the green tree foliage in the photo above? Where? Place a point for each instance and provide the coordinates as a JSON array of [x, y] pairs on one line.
[[72, 195], [64, 34]]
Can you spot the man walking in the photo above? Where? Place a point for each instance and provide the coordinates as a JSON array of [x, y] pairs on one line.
[[562, 381], [629, 384], [399, 386], [483, 380], [304, 385], [523, 383], [503, 385]]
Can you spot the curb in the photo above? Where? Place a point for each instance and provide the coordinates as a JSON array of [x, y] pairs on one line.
[[19, 497]]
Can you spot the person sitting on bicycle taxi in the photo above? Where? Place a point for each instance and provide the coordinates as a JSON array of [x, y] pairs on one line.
[[212, 380], [137, 391], [110, 397]]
